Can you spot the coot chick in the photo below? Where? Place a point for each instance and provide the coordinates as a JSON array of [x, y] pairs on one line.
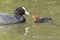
[[17, 18], [41, 20]]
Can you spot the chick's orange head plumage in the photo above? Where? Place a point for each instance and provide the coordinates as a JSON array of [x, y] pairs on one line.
[[35, 17]]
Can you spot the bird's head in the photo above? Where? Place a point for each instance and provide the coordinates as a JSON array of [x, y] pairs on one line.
[[21, 11], [35, 18]]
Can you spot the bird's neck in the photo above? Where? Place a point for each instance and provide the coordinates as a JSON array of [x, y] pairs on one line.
[[18, 16]]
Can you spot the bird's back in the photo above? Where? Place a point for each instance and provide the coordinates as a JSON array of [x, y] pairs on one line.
[[8, 19], [43, 20]]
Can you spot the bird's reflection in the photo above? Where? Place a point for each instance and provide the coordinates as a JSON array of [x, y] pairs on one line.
[[15, 28], [4, 28], [35, 25]]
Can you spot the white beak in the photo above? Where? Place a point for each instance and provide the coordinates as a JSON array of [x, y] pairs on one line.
[[26, 12]]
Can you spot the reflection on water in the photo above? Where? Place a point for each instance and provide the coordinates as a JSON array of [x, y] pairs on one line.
[[17, 28], [21, 31], [4, 28], [14, 30]]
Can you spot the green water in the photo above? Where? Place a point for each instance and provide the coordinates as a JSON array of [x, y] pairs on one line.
[[42, 8]]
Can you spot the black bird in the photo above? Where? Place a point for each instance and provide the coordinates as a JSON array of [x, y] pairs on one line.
[[17, 18]]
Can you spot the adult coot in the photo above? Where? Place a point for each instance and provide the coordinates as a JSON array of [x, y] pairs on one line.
[[17, 18], [37, 19]]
